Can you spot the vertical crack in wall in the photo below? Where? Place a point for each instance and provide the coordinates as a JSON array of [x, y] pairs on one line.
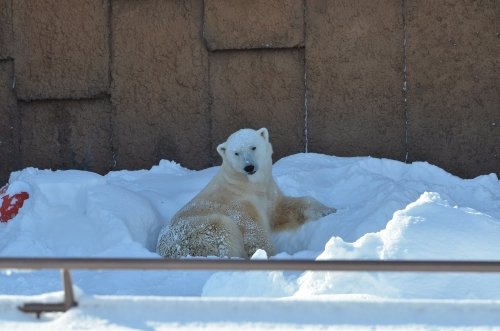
[[11, 47], [405, 77], [210, 94], [306, 110], [110, 87], [304, 64]]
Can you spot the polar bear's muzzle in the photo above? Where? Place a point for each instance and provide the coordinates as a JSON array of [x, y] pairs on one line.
[[249, 165], [250, 169]]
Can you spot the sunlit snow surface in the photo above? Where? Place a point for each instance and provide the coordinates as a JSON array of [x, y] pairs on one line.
[[386, 210]]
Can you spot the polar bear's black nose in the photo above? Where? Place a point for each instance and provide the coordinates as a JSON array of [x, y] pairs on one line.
[[250, 169]]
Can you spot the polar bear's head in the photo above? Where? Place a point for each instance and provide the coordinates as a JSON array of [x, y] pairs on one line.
[[247, 151]]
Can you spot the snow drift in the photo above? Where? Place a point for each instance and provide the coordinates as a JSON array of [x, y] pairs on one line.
[[386, 210]]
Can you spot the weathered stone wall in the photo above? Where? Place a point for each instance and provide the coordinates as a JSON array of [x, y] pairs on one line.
[[159, 89], [60, 49], [355, 61], [120, 84], [453, 61]]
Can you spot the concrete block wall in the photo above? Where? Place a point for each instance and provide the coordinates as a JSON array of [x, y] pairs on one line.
[[69, 134], [453, 61], [61, 49], [159, 83], [355, 62], [103, 85]]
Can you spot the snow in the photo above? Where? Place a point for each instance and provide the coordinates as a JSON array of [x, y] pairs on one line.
[[386, 210]]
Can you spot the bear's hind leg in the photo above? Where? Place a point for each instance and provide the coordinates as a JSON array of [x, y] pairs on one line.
[[212, 235], [216, 235]]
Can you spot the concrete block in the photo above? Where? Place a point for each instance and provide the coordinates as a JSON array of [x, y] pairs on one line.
[[61, 48], [243, 24], [160, 83], [5, 29], [354, 63], [9, 142], [69, 134], [454, 85], [259, 89]]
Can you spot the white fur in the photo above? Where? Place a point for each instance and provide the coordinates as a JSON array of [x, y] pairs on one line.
[[236, 212]]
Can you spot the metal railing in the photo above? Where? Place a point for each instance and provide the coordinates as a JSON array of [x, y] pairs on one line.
[[67, 264]]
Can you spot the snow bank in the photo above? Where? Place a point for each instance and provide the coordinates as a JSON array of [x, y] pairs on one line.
[[155, 313], [386, 210]]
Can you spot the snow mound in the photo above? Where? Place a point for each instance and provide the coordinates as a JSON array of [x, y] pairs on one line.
[[429, 228], [386, 210], [434, 228]]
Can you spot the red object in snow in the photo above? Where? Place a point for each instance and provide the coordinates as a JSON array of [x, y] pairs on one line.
[[11, 204]]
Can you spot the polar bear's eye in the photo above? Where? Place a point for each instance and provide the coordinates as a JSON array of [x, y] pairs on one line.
[[236, 153], [253, 148]]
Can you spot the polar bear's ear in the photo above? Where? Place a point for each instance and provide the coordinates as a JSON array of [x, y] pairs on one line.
[[264, 133], [221, 149]]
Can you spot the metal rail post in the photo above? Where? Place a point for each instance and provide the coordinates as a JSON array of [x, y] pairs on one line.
[[69, 300]]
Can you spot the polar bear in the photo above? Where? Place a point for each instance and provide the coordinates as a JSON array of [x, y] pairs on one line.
[[235, 214]]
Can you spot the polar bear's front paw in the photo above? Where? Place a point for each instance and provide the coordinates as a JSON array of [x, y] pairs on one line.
[[327, 211], [322, 212], [316, 210]]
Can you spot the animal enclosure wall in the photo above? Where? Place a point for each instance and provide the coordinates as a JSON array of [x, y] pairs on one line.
[[120, 84]]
